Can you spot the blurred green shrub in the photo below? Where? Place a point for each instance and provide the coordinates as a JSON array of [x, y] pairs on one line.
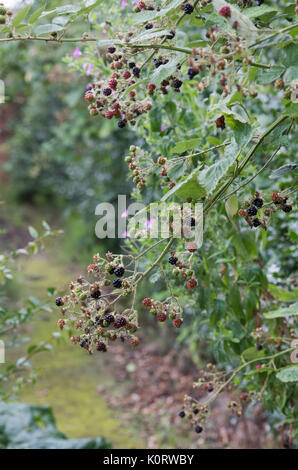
[[25, 426]]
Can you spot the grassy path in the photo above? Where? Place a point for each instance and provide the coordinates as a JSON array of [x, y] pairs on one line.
[[69, 380]]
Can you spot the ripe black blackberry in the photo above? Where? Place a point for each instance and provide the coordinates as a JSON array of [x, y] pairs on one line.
[[173, 260], [191, 72], [256, 222], [190, 221], [157, 63], [195, 411], [59, 302], [111, 49], [120, 322], [258, 202], [117, 283], [171, 35], [131, 65], [101, 347], [198, 429], [84, 343], [109, 318], [149, 25], [121, 123], [252, 210], [287, 207], [111, 271], [182, 414], [188, 8], [259, 347], [136, 71], [119, 271], [107, 91], [177, 83], [96, 294]]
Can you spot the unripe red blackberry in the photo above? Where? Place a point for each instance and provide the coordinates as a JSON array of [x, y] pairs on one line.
[[151, 88], [147, 302], [126, 74], [135, 342], [132, 93], [225, 11], [113, 84], [89, 97], [161, 317], [192, 283], [241, 212], [101, 347], [61, 323], [93, 112], [161, 161], [109, 114], [177, 322]]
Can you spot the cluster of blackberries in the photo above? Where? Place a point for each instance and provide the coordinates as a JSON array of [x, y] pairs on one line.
[[188, 8], [281, 202], [119, 272], [4, 14], [250, 213], [104, 96], [135, 167], [164, 310], [198, 428]]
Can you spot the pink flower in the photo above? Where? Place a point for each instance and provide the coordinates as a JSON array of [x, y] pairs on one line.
[[124, 235], [89, 68], [149, 223], [163, 128], [76, 53], [88, 86], [124, 3], [124, 214]]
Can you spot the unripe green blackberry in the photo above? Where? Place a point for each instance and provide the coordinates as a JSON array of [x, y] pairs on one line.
[[2, 10], [2, 19]]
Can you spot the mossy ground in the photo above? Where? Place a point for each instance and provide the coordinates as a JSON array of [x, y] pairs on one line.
[[68, 379]]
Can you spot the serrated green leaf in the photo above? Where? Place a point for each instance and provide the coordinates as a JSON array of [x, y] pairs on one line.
[[210, 177], [268, 76], [231, 206], [188, 188], [284, 170], [21, 15], [256, 12], [283, 312], [184, 145], [47, 28], [34, 17], [288, 374], [33, 232]]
